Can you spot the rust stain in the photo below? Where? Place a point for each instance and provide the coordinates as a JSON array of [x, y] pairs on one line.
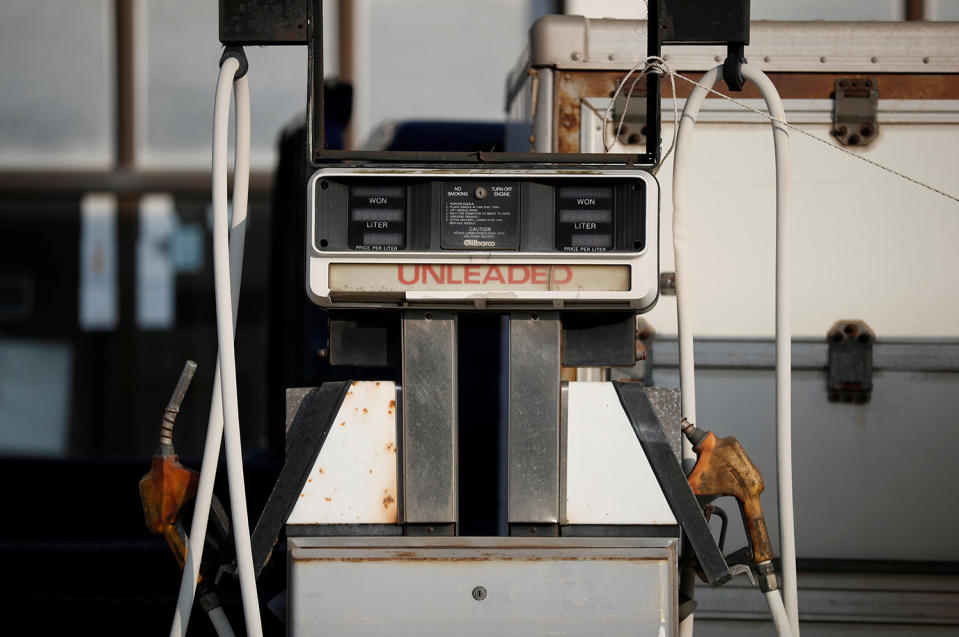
[[302, 495], [389, 412], [391, 447], [349, 393], [377, 383], [309, 480], [724, 468], [354, 383], [393, 404], [387, 501], [365, 411], [371, 472], [577, 85], [320, 469], [328, 499], [343, 424]]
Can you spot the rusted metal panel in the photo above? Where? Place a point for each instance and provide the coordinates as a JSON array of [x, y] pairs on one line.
[[354, 478], [572, 87]]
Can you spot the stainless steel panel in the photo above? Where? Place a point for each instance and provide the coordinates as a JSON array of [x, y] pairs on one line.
[[429, 417], [534, 362], [482, 586]]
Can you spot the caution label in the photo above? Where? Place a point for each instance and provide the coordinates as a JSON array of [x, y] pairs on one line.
[[480, 216]]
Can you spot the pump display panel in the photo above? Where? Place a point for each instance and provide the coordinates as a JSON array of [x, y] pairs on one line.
[[492, 237]]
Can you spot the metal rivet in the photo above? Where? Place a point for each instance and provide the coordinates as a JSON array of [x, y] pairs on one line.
[[767, 59], [611, 57], [925, 60], [480, 192], [874, 59], [576, 55], [717, 58], [479, 593], [823, 59]]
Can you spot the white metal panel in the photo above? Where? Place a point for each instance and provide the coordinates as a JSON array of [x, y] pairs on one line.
[[354, 478], [573, 42], [428, 586], [608, 478], [866, 244]]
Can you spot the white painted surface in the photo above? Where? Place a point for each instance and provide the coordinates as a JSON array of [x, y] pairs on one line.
[[98, 262], [608, 479], [156, 280], [866, 244], [354, 478]]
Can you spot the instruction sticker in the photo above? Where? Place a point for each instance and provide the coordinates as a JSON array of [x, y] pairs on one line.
[[480, 216]]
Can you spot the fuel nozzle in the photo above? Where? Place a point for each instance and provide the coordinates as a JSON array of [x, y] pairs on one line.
[[168, 485], [724, 468]]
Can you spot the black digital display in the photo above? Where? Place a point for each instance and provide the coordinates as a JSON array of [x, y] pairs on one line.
[[377, 220], [584, 218]]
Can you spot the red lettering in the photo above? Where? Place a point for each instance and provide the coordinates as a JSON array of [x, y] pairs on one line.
[[493, 270], [471, 273], [416, 275], [539, 274], [518, 268], [439, 277], [562, 269], [449, 275]]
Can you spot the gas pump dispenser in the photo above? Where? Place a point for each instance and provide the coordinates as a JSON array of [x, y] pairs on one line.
[[600, 513]]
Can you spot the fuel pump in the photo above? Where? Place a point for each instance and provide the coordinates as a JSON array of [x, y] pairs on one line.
[[597, 500]]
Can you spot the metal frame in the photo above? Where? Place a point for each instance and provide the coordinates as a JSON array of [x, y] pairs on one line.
[[319, 155]]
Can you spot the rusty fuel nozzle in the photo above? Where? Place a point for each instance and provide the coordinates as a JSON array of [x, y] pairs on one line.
[[724, 468], [168, 485]]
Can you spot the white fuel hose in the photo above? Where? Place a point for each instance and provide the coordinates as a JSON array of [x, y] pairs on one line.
[[783, 329], [220, 622], [228, 267], [778, 611]]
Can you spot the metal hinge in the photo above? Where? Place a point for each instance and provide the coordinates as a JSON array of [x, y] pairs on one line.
[[855, 111], [850, 362]]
